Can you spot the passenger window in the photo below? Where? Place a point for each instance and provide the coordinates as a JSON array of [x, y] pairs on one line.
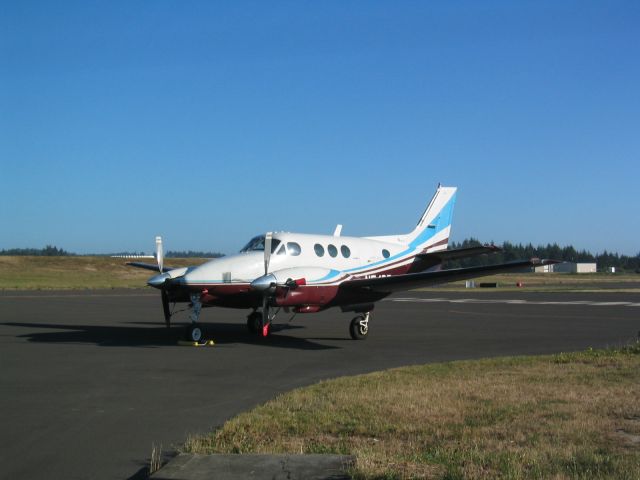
[[319, 249], [385, 253], [281, 250], [333, 251], [293, 248], [346, 253]]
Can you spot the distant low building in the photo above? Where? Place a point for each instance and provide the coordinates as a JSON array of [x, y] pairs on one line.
[[571, 267], [544, 269]]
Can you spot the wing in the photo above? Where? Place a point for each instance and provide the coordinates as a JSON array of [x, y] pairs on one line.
[[397, 283], [150, 266]]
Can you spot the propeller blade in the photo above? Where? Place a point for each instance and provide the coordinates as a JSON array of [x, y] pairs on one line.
[[265, 316], [165, 307], [267, 251], [159, 253]]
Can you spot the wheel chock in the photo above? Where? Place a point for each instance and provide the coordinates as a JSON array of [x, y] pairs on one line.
[[187, 343]]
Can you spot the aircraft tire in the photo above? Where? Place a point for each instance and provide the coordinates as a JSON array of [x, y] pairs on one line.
[[357, 330], [194, 333], [253, 323]]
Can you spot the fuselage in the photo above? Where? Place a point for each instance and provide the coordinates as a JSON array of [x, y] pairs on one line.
[[322, 262]]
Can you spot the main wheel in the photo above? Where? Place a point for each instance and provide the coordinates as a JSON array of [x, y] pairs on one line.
[[194, 333], [254, 322], [359, 328]]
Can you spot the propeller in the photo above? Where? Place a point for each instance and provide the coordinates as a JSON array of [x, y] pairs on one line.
[[266, 284], [161, 282], [164, 280]]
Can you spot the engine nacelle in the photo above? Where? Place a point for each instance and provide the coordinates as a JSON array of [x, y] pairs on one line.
[[309, 274], [294, 288]]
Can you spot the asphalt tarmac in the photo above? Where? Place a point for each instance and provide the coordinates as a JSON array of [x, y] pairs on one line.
[[90, 381]]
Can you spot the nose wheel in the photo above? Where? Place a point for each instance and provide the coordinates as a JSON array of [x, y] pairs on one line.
[[194, 333], [359, 328]]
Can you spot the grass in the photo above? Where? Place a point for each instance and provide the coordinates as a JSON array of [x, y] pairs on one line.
[[567, 416], [583, 282], [59, 273], [155, 461]]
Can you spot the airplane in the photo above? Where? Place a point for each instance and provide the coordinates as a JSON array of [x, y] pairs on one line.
[[304, 273]]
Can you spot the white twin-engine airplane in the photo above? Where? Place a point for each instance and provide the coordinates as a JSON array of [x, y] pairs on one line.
[[308, 273]]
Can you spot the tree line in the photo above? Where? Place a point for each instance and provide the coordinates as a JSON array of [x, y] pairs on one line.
[[192, 254], [48, 251], [52, 251], [509, 252]]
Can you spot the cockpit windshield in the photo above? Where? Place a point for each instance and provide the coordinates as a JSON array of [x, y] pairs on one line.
[[256, 244]]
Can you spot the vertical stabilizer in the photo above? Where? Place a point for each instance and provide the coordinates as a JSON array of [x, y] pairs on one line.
[[433, 230]]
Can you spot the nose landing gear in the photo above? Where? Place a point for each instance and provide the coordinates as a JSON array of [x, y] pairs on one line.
[[194, 332]]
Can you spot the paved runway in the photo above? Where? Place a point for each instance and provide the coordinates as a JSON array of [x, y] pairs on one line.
[[90, 381]]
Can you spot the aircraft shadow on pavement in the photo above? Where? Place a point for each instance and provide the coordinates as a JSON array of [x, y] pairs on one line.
[[145, 337]]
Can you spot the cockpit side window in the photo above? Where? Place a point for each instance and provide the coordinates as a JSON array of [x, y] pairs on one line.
[[256, 244], [281, 250]]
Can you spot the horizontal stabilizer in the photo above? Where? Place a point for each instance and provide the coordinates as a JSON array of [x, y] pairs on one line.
[[458, 253]]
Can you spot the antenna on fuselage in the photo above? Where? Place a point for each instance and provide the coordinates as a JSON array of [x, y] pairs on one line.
[[337, 231]]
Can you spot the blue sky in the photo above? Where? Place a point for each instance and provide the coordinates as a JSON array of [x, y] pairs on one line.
[[209, 122]]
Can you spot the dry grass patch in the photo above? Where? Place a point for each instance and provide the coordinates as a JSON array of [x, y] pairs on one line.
[[45, 273], [583, 282], [568, 416]]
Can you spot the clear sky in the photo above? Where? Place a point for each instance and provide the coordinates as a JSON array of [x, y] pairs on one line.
[[209, 122]]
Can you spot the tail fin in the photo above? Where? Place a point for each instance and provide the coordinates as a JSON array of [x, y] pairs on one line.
[[433, 229]]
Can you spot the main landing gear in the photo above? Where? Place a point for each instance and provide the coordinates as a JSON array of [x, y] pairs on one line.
[[259, 323], [359, 327]]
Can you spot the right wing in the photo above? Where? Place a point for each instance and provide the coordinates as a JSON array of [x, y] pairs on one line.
[[398, 283]]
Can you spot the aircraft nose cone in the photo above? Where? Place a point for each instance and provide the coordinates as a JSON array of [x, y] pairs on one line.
[[157, 281], [263, 283]]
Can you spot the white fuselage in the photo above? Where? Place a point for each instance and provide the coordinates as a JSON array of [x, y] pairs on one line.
[[320, 259], [317, 255]]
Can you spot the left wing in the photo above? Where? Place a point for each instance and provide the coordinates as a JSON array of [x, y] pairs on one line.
[[397, 283], [150, 266]]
